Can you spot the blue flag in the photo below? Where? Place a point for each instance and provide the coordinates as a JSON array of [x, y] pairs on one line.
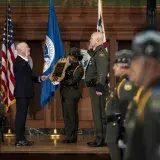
[[53, 52]]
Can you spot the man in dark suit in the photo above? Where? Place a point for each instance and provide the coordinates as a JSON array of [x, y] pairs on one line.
[[23, 90]]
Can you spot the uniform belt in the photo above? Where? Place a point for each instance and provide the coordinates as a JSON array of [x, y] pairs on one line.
[[91, 83], [113, 118]]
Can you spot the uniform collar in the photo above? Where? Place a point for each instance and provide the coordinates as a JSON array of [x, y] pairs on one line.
[[125, 76], [98, 47], [23, 58]]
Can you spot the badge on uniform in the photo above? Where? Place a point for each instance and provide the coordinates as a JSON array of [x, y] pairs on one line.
[[81, 69], [127, 87], [90, 62], [101, 54], [154, 104]]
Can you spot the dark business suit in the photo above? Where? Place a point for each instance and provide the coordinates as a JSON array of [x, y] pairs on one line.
[[23, 92]]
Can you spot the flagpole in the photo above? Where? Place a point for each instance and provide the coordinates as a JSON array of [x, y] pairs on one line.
[[55, 115], [53, 52], [9, 134], [100, 15], [55, 136]]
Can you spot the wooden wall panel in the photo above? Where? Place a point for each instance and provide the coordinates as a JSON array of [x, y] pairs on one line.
[[124, 44], [78, 23], [56, 107], [75, 3], [84, 45]]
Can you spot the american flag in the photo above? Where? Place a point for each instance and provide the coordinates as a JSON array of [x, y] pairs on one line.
[[100, 27], [100, 23], [8, 57]]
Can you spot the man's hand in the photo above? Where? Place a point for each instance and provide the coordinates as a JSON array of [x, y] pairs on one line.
[[98, 93], [60, 79], [121, 144], [44, 78]]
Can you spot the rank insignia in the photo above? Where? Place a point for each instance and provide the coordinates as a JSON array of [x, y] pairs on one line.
[[101, 54], [127, 87]]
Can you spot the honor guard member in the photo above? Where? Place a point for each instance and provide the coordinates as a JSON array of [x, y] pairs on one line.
[[70, 95], [144, 138], [96, 80], [117, 104]]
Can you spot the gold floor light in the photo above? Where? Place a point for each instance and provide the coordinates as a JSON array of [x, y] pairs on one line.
[[9, 134]]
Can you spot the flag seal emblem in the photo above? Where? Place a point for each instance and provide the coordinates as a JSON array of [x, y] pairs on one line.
[[48, 58]]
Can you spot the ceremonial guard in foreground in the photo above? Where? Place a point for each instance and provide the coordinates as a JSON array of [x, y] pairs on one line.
[[117, 104], [70, 95], [144, 125], [96, 80]]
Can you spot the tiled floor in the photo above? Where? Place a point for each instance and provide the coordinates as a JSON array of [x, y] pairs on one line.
[[45, 144]]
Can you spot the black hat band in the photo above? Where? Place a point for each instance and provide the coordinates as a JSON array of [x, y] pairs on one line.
[[122, 60]]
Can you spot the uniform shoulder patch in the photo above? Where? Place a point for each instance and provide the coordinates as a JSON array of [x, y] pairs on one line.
[[81, 69], [128, 86], [101, 54]]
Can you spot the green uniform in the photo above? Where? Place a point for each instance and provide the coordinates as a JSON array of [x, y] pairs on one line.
[[116, 108], [143, 125], [70, 95], [96, 80], [131, 112]]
